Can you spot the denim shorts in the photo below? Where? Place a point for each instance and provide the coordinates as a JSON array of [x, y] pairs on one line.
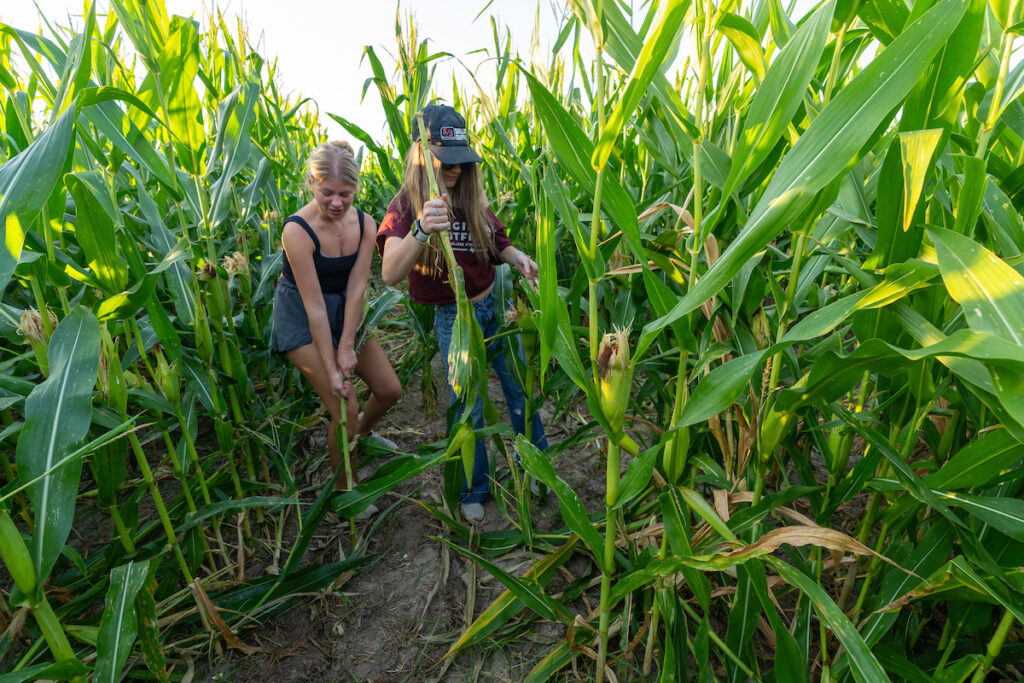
[[291, 326]]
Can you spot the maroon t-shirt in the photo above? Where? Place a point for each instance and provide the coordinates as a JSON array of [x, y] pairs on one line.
[[432, 287]]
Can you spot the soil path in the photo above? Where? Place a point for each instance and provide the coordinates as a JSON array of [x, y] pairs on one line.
[[395, 618]]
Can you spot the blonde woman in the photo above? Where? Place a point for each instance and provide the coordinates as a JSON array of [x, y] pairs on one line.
[[479, 241], [318, 303]]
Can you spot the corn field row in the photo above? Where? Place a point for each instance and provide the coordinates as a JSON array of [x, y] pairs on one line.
[[783, 289]]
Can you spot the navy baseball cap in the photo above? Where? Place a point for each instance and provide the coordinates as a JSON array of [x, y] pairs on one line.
[[446, 134]]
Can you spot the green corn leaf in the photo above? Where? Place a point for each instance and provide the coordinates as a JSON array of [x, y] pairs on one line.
[[779, 97], [724, 384], [937, 99], [94, 228], [163, 242], [917, 148], [742, 620], [96, 97], [491, 543], [907, 477], [574, 150], [269, 270], [833, 374], [396, 122], [719, 388], [178, 67], [507, 605], [1013, 89], [662, 298], [788, 656], [638, 475], [53, 54], [527, 589], [550, 664], [146, 26], [1004, 514], [466, 354], [383, 157], [222, 508], [198, 381], [376, 310], [892, 245], [958, 580], [149, 632], [555, 190], [990, 292], [979, 462], [828, 146], [863, 664], [26, 181], [387, 477], [747, 41], [67, 670], [164, 329], [575, 515], [118, 625], [57, 416], [77, 66], [956, 672], [110, 437], [1003, 221], [127, 303], [928, 555], [624, 46], [885, 18], [676, 530], [547, 296], [307, 527], [566, 349], [108, 120], [236, 116], [700, 506], [656, 49], [270, 596], [972, 195]]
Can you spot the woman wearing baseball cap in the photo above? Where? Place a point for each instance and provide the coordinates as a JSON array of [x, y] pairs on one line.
[[408, 249]]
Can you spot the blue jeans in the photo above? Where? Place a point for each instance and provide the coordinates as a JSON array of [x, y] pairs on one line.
[[444, 319]]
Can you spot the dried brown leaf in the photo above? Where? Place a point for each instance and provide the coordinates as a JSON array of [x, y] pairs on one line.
[[208, 609]]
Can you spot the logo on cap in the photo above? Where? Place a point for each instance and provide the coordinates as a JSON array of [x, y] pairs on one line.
[[452, 133]]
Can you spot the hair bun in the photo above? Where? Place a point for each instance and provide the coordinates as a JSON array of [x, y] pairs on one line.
[[343, 145], [333, 160]]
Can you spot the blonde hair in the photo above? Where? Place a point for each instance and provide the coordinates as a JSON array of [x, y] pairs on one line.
[[333, 160], [468, 197]]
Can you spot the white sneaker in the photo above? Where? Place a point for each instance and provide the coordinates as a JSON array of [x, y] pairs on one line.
[[473, 512], [534, 486], [368, 512]]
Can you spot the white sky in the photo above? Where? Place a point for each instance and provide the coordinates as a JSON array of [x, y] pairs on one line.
[[319, 45]]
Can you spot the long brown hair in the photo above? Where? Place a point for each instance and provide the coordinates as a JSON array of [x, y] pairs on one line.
[[468, 197]]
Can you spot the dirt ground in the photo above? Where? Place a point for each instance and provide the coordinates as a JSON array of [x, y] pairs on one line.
[[396, 617]]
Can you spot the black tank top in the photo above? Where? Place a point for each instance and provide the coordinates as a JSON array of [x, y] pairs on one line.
[[331, 271]]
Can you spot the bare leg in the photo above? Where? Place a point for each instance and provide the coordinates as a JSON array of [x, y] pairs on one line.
[[307, 360], [373, 366]]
